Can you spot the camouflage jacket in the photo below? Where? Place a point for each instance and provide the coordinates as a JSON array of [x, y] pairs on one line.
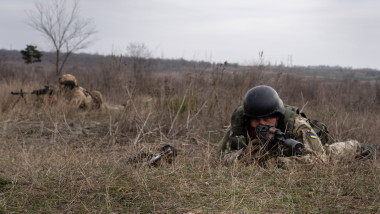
[[79, 97], [294, 124]]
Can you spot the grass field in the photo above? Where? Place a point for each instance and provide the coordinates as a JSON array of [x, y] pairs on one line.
[[55, 159]]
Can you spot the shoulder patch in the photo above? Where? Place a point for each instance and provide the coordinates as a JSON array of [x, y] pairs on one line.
[[312, 135]]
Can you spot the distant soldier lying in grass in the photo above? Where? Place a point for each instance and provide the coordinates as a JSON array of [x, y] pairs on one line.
[[267, 132], [79, 97]]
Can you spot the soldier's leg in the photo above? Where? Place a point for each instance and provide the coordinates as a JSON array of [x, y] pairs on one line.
[[306, 160], [112, 108], [343, 151]]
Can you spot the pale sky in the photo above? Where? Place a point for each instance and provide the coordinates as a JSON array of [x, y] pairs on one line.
[[310, 32]]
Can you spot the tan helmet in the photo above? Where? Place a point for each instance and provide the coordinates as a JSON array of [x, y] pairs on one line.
[[68, 80]]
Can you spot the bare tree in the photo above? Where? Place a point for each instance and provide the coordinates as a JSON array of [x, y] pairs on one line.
[[141, 61], [60, 23], [140, 57]]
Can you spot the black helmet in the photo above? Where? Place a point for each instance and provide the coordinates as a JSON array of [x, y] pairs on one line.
[[263, 101]]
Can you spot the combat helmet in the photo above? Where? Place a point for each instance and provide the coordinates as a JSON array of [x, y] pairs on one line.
[[68, 80], [263, 101]]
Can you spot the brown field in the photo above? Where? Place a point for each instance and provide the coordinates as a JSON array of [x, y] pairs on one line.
[[55, 159]]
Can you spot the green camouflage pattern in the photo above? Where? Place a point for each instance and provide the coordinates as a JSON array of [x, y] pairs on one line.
[[235, 136]]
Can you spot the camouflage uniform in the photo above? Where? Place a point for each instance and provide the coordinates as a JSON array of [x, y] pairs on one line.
[[77, 96], [238, 146]]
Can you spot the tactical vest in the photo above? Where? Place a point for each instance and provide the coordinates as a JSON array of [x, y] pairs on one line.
[[239, 124]]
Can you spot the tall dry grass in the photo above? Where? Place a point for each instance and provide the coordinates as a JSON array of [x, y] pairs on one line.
[[55, 159]]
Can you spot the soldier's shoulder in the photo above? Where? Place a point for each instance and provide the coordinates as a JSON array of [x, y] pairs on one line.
[[239, 111], [237, 115], [80, 88], [237, 121], [78, 92]]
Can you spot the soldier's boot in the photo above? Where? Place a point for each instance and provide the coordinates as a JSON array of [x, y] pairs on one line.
[[367, 152]]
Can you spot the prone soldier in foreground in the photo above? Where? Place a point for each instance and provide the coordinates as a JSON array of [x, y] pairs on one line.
[[267, 132]]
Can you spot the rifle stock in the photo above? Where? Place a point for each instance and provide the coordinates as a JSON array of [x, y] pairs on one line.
[[21, 93]]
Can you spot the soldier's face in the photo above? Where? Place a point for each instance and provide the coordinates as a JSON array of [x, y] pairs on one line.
[[264, 121]]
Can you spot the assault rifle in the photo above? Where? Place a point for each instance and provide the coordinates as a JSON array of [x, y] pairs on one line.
[[37, 92], [268, 133]]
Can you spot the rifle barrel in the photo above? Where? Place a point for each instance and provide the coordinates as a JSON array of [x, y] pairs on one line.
[[37, 92], [18, 92]]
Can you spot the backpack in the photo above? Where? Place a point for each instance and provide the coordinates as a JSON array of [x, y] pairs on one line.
[[319, 127], [322, 132]]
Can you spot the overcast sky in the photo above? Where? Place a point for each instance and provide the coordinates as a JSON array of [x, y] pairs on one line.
[[301, 32]]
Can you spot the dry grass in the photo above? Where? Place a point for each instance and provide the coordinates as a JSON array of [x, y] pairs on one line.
[[56, 160]]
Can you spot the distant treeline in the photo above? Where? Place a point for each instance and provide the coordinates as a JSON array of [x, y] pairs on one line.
[[162, 65], [88, 60]]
